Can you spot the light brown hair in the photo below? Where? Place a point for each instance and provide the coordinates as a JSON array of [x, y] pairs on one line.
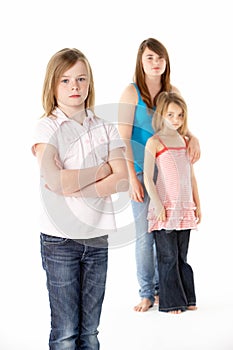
[[163, 101], [60, 62]]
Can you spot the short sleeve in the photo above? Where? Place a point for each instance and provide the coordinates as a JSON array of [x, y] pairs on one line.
[[115, 141], [45, 132]]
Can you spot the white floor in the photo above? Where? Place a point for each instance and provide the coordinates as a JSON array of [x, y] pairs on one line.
[[208, 328], [24, 310]]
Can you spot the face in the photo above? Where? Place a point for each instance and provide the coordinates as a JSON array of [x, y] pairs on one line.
[[153, 64], [72, 89], [174, 116]]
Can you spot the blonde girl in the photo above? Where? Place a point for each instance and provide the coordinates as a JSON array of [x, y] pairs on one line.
[[174, 208]]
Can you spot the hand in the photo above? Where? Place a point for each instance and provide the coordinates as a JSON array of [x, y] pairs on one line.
[[105, 170], [194, 150], [136, 190], [162, 215], [198, 215], [58, 162]]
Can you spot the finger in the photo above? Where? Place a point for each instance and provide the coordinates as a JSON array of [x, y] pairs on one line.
[[194, 157]]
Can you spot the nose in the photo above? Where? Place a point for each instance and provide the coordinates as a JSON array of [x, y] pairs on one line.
[[75, 85]]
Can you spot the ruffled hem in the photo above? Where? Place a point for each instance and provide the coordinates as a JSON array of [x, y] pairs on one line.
[[179, 219]]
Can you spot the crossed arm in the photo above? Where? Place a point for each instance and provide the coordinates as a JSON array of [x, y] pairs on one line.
[[97, 181]]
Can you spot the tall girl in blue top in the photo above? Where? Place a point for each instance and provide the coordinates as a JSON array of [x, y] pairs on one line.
[[137, 105]]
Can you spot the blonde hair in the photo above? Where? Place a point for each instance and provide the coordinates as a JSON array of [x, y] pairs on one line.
[[60, 62], [163, 101], [139, 75]]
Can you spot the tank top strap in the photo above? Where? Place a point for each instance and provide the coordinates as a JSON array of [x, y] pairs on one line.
[[140, 100]]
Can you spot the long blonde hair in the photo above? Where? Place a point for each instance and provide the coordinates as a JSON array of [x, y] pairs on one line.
[[163, 101], [139, 75], [57, 65]]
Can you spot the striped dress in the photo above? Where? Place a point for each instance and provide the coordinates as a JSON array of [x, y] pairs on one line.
[[174, 189]]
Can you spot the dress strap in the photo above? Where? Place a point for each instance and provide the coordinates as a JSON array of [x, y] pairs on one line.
[[162, 150], [160, 140]]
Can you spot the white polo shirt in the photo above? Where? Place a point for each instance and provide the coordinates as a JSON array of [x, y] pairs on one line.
[[79, 146]]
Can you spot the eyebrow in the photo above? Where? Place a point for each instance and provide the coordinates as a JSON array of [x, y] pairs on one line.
[[79, 75]]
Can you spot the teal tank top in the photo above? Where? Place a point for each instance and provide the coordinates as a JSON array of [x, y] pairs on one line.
[[142, 130]]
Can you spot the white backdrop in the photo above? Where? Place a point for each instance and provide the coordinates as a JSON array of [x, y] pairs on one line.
[[198, 37]]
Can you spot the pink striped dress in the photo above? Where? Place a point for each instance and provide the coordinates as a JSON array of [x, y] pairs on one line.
[[174, 189]]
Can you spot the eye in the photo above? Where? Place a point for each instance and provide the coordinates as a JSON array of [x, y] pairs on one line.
[[65, 81]]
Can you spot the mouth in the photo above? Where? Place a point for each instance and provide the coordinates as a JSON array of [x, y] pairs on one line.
[[74, 96]]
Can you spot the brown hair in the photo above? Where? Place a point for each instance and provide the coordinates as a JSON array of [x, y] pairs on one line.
[[57, 65], [163, 101], [139, 75]]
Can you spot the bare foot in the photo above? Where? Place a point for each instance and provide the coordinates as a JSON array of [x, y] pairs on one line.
[[143, 306], [192, 307], [175, 312], [156, 300]]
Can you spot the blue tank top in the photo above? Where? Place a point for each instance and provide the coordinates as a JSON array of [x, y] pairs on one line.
[[142, 130]]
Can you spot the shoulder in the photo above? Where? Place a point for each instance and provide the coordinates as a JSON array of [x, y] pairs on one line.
[[129, 95], [46, 123], [152, 143]]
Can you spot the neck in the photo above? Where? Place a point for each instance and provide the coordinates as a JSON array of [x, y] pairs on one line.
[[74, 113], [79, 116], [153, 84], [169, 131]]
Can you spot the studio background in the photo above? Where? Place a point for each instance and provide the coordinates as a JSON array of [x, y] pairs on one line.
[[198, 37]]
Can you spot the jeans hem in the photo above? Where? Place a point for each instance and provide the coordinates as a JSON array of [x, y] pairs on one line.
[[168, 309]]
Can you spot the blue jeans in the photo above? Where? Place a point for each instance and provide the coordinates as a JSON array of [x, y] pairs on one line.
[[176, 283], [76, 277], [146, 257]]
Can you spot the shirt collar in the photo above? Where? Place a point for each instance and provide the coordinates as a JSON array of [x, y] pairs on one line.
[[61, 117]]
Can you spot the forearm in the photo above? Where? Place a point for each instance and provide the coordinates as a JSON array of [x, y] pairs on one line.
[[112, 184], [152, 192], [117, 181], [196, 197], [72, 180], [61, 180], [130, 160], [75, 180]]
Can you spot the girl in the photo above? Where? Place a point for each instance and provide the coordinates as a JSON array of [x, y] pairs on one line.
[[137, 104], [81, 164], [174, 202]]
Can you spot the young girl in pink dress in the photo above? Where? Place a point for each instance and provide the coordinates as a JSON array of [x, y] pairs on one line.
[[174, 208]]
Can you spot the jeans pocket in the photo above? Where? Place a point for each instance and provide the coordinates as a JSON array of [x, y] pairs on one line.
[[49, 240]]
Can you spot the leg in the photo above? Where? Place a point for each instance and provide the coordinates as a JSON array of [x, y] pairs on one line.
[[186, 272], [171, 293], [61, 261], [146, 259], [93, 281]]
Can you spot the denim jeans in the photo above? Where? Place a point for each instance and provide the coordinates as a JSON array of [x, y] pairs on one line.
[[146, 257], [176, 283], [76, 277]]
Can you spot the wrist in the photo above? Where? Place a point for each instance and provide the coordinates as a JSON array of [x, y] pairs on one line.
[[106, 170]]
